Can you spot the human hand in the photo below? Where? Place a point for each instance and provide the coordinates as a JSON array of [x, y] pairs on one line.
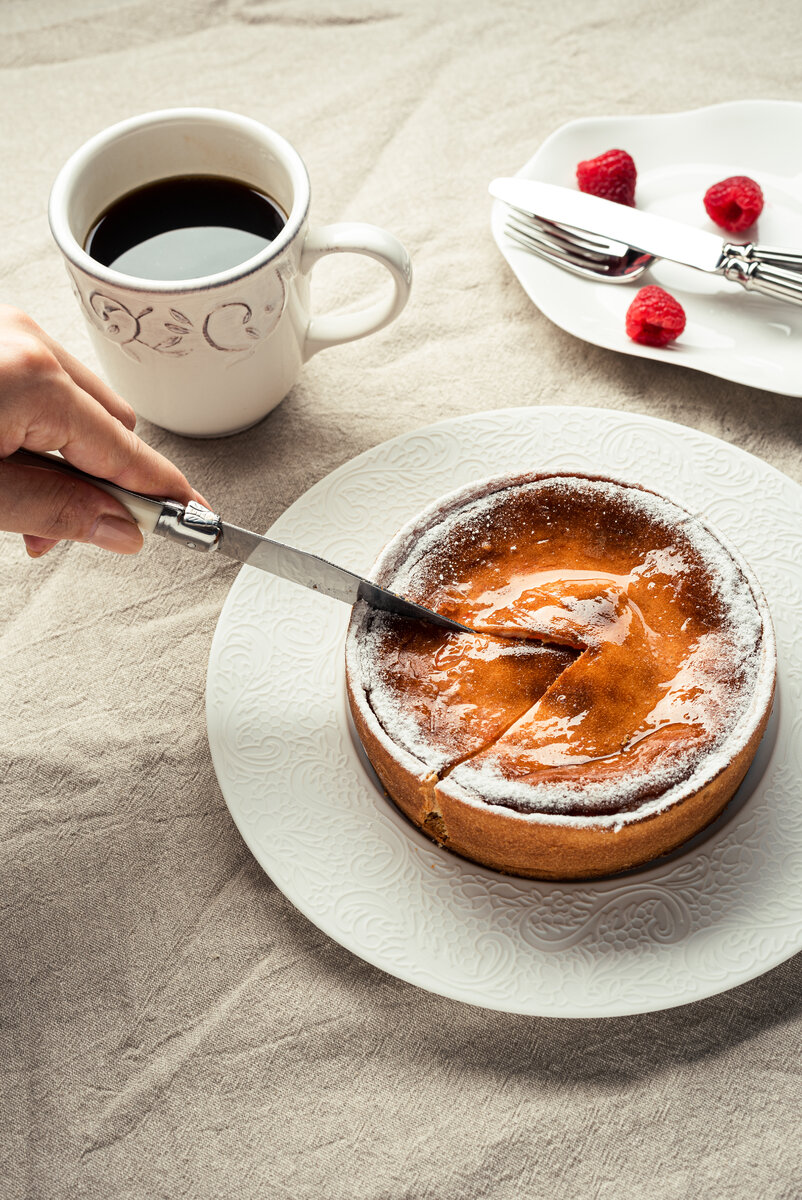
[[51, 401]]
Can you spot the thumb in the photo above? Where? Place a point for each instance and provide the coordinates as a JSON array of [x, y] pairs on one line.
[[47, 507]]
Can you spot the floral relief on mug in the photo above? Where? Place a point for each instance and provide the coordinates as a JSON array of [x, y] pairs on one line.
[[233, 327]]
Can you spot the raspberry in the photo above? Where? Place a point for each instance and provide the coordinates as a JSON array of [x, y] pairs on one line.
[[734, 203], [612, 176], [654, 318]]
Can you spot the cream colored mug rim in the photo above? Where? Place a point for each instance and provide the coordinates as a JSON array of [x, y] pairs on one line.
[[81, 160]]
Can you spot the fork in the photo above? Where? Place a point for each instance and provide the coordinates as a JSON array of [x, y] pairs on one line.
[[575, 250], [760, 269]]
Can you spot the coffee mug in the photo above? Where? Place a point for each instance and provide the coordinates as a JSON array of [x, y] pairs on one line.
[[210, 355]]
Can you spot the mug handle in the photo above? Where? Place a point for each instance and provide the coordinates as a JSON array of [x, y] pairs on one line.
[[354, 237]]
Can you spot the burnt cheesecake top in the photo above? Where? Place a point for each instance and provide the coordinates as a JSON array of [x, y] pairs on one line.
[[619, 647]]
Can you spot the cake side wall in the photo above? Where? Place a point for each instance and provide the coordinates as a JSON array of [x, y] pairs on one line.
[[544, 849]]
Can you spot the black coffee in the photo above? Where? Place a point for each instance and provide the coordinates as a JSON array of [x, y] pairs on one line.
[[184, 228]]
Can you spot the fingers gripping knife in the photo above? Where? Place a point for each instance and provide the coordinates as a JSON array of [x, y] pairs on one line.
[[197, 528]]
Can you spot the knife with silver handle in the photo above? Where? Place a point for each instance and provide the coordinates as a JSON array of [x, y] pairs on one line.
[[197, 528], [757, 268]]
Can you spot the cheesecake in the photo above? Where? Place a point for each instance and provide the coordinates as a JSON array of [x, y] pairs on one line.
[[612, 692]]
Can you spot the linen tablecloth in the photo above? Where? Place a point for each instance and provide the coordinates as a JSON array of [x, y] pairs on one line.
[[169, 1025]]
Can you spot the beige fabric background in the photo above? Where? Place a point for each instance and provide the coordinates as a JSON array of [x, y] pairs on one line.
[[171, 1026]]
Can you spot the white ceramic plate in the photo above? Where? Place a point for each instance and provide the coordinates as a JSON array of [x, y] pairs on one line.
[[731, 333], [720, 912]]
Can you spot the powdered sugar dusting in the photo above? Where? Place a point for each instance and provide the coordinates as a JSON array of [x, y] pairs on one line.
[[718, 692], [390, 705]]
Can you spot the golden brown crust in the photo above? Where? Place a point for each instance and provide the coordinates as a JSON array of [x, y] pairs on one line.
[[412, 791]]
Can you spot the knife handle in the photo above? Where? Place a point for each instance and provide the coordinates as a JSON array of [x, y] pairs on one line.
[[761, 277], [776, 256], [193, 525]]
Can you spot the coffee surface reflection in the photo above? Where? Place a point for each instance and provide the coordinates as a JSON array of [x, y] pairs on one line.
[[184, 228]]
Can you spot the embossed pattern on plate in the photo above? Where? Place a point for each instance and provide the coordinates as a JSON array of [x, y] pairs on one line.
[[721, 913], [730, 333]]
